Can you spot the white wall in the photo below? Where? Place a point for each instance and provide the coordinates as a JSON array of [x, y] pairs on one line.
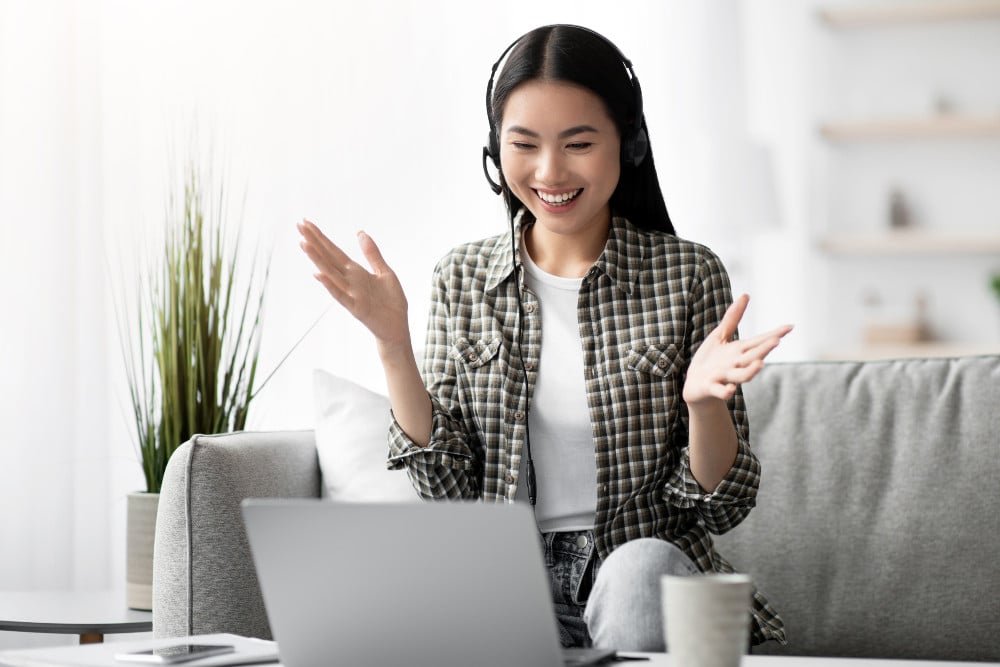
[[355, 115]]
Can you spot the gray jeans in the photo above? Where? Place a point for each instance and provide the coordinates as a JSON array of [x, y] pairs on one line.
[[613, 603]]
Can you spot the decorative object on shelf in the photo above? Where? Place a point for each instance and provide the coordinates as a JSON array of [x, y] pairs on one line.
[[899, 210], [995, 283], [190, 349], [943, 105], [881, 329]]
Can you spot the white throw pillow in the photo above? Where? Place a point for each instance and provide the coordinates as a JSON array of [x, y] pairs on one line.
[[352, 427]]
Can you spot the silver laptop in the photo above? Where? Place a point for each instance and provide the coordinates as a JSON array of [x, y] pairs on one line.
[[421, 585]]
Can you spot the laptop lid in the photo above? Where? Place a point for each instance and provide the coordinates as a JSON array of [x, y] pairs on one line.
[[423, 585]]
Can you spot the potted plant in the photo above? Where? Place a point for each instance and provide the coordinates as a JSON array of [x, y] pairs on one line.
[[190, 351]]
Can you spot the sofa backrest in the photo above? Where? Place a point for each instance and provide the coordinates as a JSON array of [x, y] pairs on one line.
[[877, 526]]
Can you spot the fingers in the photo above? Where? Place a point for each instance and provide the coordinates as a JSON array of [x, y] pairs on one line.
[[723, 391], [778, 332], [731, 320], [372, 253], [336, 291], [321, 259], [334, 259], [744, 374]]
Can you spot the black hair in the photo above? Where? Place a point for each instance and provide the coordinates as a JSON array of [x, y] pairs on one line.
[[576, 55]]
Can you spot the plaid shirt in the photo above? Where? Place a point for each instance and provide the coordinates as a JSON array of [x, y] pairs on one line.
[[644, 308]]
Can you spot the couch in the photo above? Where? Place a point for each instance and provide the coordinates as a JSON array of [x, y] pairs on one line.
[[876, 531]]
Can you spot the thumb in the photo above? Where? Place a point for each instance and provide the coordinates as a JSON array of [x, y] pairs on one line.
[[372, 253], [731, 320]]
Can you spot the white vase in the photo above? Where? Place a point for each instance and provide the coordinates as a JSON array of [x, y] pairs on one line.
[[139, 549]]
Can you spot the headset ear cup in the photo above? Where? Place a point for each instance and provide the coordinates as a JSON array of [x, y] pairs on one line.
[[638, 146]]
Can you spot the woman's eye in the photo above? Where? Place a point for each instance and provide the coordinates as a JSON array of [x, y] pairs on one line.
[[522, 146], [580, 145]]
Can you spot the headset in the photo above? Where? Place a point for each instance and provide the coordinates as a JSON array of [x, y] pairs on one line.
[[635, 146], [635, 142]]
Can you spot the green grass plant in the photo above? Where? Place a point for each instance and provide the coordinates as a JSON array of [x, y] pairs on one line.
[[192, 348]]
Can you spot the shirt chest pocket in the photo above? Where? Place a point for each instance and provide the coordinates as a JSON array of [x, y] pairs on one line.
[[479, 369], [475, 355], [655, 372], [657, 359]]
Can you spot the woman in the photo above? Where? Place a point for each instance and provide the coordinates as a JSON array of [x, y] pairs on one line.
[[586, 361]]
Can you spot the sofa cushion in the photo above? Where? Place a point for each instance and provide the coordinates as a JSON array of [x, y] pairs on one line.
[[352, 427], [877, 526]]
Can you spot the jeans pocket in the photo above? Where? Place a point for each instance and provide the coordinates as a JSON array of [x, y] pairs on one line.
[[585, 582]]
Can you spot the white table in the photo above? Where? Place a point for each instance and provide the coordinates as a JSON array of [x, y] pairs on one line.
[[88, 614], [663, 660], [102, 655]]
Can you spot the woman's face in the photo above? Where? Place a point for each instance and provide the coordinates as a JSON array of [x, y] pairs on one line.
[[560, 154]]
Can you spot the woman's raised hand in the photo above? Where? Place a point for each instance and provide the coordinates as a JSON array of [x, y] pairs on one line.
[[721, 363], [375, 298]]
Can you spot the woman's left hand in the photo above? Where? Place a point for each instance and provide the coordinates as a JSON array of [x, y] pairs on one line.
[[721, 364]]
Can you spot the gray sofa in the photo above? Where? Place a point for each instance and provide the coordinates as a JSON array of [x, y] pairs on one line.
[[876, 531]]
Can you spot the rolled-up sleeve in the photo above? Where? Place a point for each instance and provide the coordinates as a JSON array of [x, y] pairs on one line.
[[448, 466], [724, 507], [729, 503]]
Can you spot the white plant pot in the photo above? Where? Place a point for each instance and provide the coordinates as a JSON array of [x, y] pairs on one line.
[[139, 549]]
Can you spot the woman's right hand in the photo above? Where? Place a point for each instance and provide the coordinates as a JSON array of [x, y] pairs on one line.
[[376, 299]]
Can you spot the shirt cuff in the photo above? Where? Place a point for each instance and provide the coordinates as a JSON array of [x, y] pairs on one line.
[[738, 488], [446, 447]]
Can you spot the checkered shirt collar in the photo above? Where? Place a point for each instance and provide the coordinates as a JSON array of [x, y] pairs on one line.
[[621, 259]]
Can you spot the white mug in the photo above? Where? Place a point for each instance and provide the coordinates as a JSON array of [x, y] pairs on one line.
[[706, 618]]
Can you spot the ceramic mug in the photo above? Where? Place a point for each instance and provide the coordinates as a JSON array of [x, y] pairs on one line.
[[707, 618]]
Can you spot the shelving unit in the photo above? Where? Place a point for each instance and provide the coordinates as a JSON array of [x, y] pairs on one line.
[[913, 242], [944, 127], [869, 16], [941, 162], [877, 351]]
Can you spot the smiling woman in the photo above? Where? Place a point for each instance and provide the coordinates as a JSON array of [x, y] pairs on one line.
[[623, 426]]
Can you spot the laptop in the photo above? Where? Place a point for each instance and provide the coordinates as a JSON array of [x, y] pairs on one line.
[[416, 584]]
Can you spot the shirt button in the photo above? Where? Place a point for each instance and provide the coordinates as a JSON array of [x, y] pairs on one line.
[[581, 541], [529, 308], [662, 363], [529, 365], [604, 488], [471, 356], [518, 416], [509, 478]]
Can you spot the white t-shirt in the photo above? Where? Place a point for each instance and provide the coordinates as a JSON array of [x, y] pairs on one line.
[[562, 444]]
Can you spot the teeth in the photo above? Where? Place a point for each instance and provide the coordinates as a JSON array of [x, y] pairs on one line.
[[557, 199]]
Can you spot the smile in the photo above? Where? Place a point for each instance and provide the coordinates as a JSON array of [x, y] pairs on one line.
[[561, 199]]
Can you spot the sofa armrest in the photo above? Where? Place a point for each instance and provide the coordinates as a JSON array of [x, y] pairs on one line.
[[204, 580]]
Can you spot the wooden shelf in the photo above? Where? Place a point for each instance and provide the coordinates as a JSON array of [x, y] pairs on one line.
[[913, 242], [935, 127], [910, 351], [923, 12]]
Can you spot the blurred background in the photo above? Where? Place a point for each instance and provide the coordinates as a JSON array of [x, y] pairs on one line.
[[842, 157]]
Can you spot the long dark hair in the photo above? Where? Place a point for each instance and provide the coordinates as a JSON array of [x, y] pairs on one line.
[[580, 56]]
